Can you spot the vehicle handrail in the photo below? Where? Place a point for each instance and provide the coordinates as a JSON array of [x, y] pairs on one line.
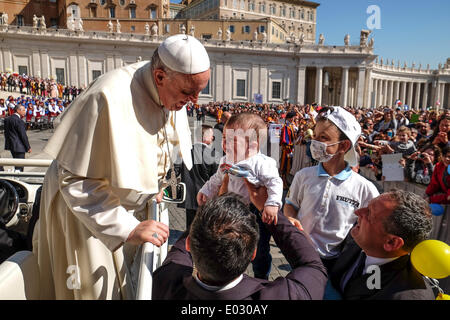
[[25, 162], [152, 257]]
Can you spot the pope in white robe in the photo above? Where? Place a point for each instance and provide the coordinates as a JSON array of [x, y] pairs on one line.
[[112, 150]]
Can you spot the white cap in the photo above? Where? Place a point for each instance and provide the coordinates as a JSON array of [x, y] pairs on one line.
[[184, 53], [348, 124]]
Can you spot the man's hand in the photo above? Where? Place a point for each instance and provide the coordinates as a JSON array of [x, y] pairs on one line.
[[147, 230], [296, 223], [29, 150], [258, 196], [201, 199], [270, 214]]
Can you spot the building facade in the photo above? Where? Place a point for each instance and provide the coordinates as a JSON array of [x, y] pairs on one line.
[[297, 18], [244, 19], [333, 75]]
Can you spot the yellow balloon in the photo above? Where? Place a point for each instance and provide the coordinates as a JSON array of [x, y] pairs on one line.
[[432, 258], [442, 296]]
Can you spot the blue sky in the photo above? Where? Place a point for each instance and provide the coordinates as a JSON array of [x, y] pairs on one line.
[[411, 30]]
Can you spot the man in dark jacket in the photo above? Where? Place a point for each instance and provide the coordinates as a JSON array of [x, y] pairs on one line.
[[204, 166], [375, 263], [222, 242], [16, 139]]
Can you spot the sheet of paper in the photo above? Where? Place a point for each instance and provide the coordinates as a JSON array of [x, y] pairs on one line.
[[392, 170]]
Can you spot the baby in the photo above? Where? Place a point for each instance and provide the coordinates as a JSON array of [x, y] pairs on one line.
[[243, 159]]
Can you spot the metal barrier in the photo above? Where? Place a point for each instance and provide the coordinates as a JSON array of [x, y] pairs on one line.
[[152, 257]]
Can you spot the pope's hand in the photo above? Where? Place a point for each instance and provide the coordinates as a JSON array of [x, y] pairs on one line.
[[149, 231], [159, 197]]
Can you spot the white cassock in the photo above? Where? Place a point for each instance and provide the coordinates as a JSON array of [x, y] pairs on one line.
[[110, 157]]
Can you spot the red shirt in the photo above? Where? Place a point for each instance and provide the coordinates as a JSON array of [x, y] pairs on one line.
[[438, 189]]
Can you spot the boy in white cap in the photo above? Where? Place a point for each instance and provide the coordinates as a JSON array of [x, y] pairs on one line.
[[323, 198], [113, 148]]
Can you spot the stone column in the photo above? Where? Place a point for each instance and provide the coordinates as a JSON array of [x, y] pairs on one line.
[[425, 96], [45, 66], [344, 87], [82, 74], [319, 80], [228, 83], [385, 92], [442, 96], [368, 88], [437, 93], [396, 90], [448, 98], [301, 84], [36, 65], [219, 84], [416, 100], [73, 70], [403, 95], [361, 85], [410, 94], [391, 93], [379, 91]]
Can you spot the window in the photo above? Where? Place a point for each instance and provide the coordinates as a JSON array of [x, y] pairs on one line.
[[153, 13], [311, 16], [240, 88], [133, 12], [235, 4], [102, 2], [273, 10], [93, 12], [273, 30], [292, 13], [251, 6], [262, 29], [232, 29], [206, 89], [276, 90], [112, 12], [262, 8], [122, 2], [96, 74], [23, 70], [282, 11], [167, 28], [133, 28], [53, 23], [242, 4], [302, 14], [60, 78], [246, 29], [20, 20]]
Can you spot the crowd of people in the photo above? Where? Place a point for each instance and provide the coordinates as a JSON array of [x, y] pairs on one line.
[[40, 111], [35, 86], [421, 136]]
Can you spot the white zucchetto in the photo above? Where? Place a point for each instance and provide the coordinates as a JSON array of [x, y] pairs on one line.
[[184, 53]]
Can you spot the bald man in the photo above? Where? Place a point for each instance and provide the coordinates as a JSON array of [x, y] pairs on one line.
[[112, 150]]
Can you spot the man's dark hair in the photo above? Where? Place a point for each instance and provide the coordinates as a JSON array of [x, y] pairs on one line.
[[223, 237], [411, 219]]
